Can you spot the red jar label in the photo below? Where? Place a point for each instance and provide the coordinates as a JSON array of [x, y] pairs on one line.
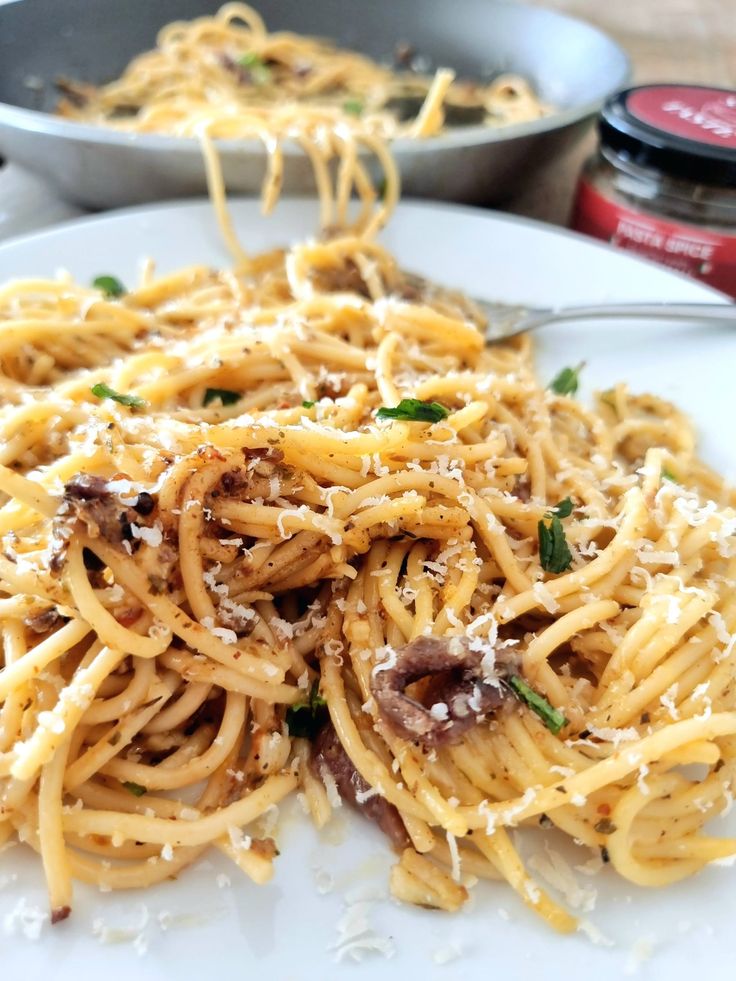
[[704, 255], [697, 113]]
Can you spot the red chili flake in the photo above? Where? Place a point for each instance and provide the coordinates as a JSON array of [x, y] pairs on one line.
[[128, 616]]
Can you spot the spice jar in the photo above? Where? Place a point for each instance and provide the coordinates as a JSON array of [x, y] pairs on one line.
[[663, 183]]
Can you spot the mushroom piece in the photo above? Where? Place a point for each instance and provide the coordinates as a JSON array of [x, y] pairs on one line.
[[456, 692]]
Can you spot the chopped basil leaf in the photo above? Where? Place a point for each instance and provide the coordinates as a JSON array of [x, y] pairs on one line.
[[668, 475], [306, 718], [103, 391], [308, 405], [134, 788], [413, 410], [566, 382], [259, 70], [225, 395], [354, 107], [561, 510], [553, 549], [554, 552], [552, 717], [110, 285]]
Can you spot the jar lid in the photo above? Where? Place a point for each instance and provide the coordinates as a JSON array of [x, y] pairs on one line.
[[686, 131]]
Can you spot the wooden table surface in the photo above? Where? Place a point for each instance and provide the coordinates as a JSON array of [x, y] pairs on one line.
[[667, 41]]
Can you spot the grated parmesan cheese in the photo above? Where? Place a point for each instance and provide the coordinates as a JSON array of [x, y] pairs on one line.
[[440, 711], [324, 881], [722, 635], [25, 920], [134, 934], [454, 856], [544, 597], [668, 701], [615, 736], [356, 939], [640, 953], [223, 633], [450, 952], [594, 934], [387, 659], [238, 840], [333, 794], [151, 536], [361, 796], [556, 872]]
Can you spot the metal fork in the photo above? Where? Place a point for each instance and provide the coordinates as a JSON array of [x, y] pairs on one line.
[[506, 321]]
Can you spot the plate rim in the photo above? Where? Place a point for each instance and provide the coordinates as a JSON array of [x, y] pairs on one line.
[[494, 216]]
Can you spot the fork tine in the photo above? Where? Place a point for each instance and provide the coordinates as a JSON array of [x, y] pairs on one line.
[[504, 321]]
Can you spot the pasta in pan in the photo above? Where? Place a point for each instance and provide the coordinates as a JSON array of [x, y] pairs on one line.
[[227, 77], [228, 73]]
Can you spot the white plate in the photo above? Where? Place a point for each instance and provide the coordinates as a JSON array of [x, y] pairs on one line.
[[27, 203], [194, 928]]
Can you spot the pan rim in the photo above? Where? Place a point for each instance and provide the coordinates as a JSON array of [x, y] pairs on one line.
[[35, 121]]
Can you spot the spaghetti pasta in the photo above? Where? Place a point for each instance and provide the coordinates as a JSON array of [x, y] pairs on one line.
[[293, 525], [179, 570]]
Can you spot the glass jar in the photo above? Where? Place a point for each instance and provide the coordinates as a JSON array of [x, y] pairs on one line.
[[663, 183]]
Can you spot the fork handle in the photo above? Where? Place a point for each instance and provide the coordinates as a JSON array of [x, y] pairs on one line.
[[712, 312]]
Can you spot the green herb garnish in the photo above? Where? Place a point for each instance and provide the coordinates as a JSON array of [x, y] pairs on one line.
[[668, 475], [413, 410], [103, 391], [110, 286], [354, 107], [225, 395], [561, 510], [308, 405], [259, 70], [306, 718], [552, 717], [566, 382], [134, 788], [554, 552]]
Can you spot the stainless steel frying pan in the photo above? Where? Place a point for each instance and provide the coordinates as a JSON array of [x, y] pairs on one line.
[[572, 66]]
